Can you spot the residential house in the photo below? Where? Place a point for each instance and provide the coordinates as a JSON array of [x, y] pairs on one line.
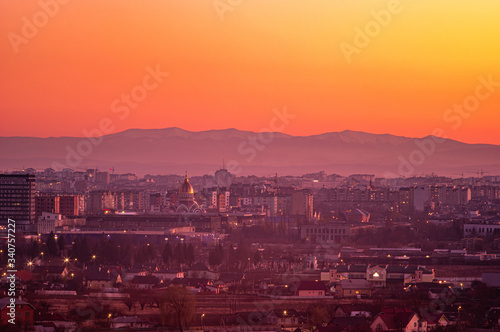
[[201, 271], [97, 278], [24, 276], [353, 288], [424, 275], [128, 275], [395, 277], [398, 276], [440, 320], [326, 275], [357, 271], [168, 275], [145, 282], [403, 320], [115, 273], [339, 273], [410, 274], [23, 312], [376, 275], [50, 272], [288, 317], [310, 288]]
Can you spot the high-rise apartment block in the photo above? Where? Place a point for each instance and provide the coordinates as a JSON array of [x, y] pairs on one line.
[[17, 201]]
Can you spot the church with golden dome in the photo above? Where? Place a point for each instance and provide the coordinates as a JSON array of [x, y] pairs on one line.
[[186, 203]]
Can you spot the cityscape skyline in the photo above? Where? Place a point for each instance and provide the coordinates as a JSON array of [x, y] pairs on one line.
[[241, 166]]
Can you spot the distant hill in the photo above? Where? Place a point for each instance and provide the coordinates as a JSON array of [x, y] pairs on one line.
[[174, 150]]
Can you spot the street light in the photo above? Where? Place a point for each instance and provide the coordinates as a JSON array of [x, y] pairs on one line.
[[202, 315]]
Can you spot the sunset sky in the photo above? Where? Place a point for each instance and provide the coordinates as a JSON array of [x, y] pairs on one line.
[[230, 69]]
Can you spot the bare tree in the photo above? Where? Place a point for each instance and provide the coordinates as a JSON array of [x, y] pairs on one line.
[[144, 297], [131, 299], [129, 302], [177, 306]]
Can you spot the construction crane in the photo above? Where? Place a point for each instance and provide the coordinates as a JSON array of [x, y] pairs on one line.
[[461, 174], [480, 172]]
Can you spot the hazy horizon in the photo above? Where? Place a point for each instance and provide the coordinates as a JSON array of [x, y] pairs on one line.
[[398, 67], [256, 132], [173, 150]]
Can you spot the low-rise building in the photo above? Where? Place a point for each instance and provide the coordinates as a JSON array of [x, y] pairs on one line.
[[145, 282], [201, 271], [168, 274], [376, 275], [310, 288], [353, 288], [482, 229], [332, 233], [23, 312], [97, 279], [404, 320], [50, 272]]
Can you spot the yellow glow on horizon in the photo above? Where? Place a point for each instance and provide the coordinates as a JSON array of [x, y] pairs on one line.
[[263, 55]]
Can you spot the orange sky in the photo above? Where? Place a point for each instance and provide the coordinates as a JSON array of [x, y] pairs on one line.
[[232, 72]]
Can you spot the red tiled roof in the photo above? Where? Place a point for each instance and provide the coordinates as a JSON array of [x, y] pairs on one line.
[[24, 275]]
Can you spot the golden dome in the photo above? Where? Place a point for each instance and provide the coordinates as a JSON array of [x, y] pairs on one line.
[[186, 187]]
